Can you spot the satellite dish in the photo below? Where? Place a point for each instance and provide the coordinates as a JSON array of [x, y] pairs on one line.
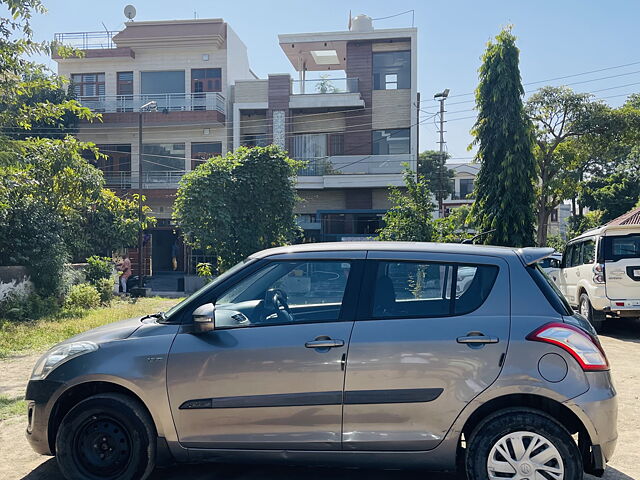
[[130, 12]]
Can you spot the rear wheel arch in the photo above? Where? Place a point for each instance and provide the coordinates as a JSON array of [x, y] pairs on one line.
[[531, 403], [74, 395]]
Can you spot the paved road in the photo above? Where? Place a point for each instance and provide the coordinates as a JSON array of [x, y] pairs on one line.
[[622, 343]]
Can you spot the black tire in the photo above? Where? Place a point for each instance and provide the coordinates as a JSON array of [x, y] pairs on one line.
[[595, 317], [498, 425], [106, 437]]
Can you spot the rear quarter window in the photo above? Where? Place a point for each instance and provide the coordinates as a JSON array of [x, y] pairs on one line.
[[549, 290]]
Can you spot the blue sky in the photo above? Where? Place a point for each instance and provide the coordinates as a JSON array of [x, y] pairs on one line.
[[556, 38]]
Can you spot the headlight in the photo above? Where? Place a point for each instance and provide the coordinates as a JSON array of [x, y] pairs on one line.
[[58, 355]]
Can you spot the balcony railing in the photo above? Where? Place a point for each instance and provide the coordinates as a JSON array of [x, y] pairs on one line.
[[152, 179], [354, 164], [86, 40], [166, 102], [325, 85]]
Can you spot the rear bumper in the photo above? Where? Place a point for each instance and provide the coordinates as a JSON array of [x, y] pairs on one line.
[[598, 410], [623, 307]]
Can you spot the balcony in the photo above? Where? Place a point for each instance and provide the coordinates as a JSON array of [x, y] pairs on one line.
[[93, 44], [353, 171], [150, 180], [173, 108], [325, 93]]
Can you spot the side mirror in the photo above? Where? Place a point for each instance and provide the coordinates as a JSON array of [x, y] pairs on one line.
[[204, 318]]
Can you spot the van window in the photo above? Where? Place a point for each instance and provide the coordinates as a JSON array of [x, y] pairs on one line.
[[575, 255], [588, 252], [619, 247], [412, 289]]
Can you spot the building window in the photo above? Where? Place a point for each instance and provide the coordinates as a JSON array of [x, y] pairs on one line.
[[201, 152], [115, 164], [88, 84], [125, 83], [336, 144], [391, 142], [163, 157], [206, 80], [554, 215], [162, 82], [466, 187], [391, 70]]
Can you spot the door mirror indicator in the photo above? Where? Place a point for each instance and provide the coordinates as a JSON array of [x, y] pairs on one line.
[[204, 319]]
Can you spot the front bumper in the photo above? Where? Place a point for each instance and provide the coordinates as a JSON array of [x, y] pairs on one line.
[[598, 410], [38, 396]]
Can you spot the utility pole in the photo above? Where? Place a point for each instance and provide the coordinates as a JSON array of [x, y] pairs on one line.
[[418, 135], [441, 97], [150, 106]]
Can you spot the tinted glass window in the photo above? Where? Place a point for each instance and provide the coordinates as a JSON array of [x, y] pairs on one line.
[[550, 290], [169, 81], [411, 289], [588, 252], [619, 247], [391, 70], [285, 292], [575, 255], [391, 142]]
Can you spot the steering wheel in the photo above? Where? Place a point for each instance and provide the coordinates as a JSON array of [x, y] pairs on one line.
[[276, 300]]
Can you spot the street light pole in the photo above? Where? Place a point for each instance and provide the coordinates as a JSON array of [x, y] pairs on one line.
[[144, 108], [441, 97]]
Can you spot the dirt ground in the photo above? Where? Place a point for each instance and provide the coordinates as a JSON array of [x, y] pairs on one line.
[[621, 342]]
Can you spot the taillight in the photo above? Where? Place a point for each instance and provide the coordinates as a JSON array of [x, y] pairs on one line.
[[582, 346], [598, 273]]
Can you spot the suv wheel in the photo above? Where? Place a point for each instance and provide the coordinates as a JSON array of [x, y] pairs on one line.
[[106, 437], [522, 444], [595, 317]]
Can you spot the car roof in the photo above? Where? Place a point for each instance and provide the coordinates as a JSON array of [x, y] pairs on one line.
[[525, 253]]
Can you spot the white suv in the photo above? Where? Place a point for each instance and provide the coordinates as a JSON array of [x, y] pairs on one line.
[[600, 273]]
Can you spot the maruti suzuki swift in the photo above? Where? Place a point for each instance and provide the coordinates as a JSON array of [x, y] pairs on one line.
[[410, 355]]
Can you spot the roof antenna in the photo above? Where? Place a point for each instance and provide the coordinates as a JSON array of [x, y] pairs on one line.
[[195, 14]]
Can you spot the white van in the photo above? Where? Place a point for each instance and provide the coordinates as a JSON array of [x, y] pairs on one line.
[[600, 272]]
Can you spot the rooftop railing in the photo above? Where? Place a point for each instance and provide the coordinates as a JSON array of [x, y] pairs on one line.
[[325, 85], [353, 165], [86, 40], [166, 102]]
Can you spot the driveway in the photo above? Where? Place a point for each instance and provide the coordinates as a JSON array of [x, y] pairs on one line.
[[622, 343]]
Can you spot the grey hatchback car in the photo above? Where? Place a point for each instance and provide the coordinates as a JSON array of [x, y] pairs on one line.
[[410, 355]]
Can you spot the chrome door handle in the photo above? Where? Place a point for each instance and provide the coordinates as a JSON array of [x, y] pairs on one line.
[[325, 343], [477, 339]]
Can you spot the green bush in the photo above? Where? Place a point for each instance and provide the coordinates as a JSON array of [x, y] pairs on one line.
[[27, 307], [98, 268], [104, 286], [82, 296]]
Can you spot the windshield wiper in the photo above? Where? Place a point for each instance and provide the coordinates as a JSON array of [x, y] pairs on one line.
[[159, 315]]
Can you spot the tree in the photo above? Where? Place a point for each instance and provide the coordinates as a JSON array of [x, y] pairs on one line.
[[410, 217], [559, 115], [431, 165], [613, 195], [235, 205], [455, 227], [504, 186]]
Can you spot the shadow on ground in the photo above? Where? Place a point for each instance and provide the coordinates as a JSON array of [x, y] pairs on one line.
[[49, 471]]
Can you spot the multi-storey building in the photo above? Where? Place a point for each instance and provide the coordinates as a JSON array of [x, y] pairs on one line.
[[351, 114]]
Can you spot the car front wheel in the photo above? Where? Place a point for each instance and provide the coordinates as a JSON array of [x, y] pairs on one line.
[[106, 437], [522, 444]]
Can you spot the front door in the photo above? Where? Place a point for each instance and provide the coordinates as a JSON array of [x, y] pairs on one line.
[[270, 376], [428, 341], [570, 272]]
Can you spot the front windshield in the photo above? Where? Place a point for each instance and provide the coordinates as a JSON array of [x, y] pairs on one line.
[[220, 278]]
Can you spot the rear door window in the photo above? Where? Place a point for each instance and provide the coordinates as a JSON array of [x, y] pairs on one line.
[[424, 289], [588, 252]]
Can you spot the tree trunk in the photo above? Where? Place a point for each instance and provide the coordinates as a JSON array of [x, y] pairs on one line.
[[543, 219]]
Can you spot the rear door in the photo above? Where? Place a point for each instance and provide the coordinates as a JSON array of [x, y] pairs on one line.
[[570, 275], [621, 253], [429, 337]]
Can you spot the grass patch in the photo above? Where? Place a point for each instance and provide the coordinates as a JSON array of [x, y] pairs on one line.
[[12, 407], [18, 337]]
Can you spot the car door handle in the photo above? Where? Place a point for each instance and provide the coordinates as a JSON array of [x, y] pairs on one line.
[[477, 339], [325, 343]]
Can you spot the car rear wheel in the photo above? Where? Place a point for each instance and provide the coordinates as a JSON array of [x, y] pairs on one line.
[[522, 444], [106, 437], [595, 317]]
